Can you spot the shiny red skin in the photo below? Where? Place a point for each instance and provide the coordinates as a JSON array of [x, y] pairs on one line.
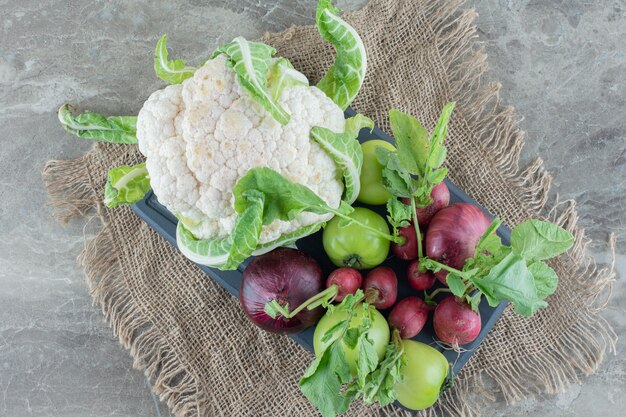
[[440, 195], [384, 280], [287, 275], [409, 316], [453, 234], [455, 322], [408, 250], [347, 280], [417, 279]]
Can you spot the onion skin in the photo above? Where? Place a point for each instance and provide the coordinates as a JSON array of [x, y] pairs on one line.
[[455, 322], [453, 234], [288, 276], [409, 316]]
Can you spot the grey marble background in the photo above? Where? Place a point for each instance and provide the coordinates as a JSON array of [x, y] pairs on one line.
[[562, 63]]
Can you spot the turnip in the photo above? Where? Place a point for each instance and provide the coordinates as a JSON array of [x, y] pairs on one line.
[[440, 196], [409, 316], [455, 322], [453, 234], [347, 281], [382, 285], [408, 249], [419, 280]]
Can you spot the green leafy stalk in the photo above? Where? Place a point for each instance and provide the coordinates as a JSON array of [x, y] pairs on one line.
[[416, 167], [252, 62], [88, 125], [515, 273], [274, 308], [344, 79], [346, 151], [173, 71], [324, 381], [283, 75], [126, 185]]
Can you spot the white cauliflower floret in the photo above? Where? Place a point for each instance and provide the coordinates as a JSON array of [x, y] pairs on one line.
[[201, 136]]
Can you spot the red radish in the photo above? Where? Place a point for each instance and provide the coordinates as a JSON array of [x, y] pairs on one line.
[[347, 280], [288, 276], [441, 198], [455, 322], [453, 234], [417, 279], [408, 250], [384, 281], [409, 316]]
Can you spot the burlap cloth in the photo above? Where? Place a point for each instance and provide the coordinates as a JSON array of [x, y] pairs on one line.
[[191, 337]]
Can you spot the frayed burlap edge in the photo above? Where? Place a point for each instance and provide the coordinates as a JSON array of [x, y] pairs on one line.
[[579, 350]]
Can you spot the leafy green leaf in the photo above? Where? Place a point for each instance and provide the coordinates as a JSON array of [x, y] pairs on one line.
[[395, 178], [380, 384], [399, 214], [538, 240], [344, 79], [88, 125], [247, 230], [367, 360], [545, 278], [474, 300], [456, 285], [351, 338], [512, 281], [251, 61], [126, 185], [439, 134], [172, 71], [345, 151], [284, 199], [283, 75], [436, 177], [323, 380], [411, 140]]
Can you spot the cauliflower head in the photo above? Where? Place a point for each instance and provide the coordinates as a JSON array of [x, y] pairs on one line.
[[200, 137]]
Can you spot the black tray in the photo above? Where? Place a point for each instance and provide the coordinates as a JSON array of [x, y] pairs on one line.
[[163, 222]]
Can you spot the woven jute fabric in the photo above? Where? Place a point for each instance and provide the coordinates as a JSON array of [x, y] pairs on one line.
[[192, 339]]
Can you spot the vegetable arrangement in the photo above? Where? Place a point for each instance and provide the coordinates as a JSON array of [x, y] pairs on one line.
[[250, 158]]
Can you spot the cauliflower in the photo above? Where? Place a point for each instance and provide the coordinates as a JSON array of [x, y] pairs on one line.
[[201, 136], [243, 151]]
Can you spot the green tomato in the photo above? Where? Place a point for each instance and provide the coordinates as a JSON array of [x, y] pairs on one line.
[[378, 333], [354, 246], [372, 190], [425, 372]]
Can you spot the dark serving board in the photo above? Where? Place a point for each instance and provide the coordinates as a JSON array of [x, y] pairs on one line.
[[163, 222]]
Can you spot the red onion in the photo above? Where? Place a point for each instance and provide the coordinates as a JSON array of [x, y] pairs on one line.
[[288, 276], [453, 234]]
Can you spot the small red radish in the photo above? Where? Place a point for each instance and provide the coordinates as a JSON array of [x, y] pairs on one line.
[[440, 195], [417, 279], [408, 250], [455, 322], [384, 282], [409, 316], [347, 280]]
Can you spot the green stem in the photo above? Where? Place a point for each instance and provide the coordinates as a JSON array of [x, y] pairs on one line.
[[447, 268], [438, 291], [416, 225], [318, 299], [397, 239]]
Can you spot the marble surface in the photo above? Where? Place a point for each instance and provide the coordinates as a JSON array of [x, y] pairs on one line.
[[561, 63]]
